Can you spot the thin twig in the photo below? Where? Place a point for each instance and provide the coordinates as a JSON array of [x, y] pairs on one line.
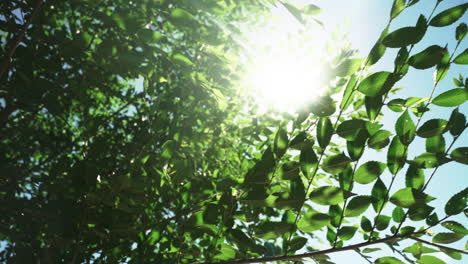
[[439, 246], [316, 253], [9, 55]]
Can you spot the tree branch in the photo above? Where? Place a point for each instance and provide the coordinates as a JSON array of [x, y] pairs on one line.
[[316, 253], [9, 54], [439, 246]]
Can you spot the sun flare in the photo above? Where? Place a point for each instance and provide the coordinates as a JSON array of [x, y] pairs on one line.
[[284, 63]]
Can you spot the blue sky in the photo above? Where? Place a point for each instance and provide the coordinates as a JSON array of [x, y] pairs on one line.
[[366, 19]]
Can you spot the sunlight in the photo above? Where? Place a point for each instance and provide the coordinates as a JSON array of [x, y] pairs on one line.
[[284, 58]]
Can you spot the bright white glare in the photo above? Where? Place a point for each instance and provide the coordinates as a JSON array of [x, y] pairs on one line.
[[284, 63]]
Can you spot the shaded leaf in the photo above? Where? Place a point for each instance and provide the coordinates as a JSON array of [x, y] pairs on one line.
[[408, 197], [324, 131], [380, 139], [327, 195], [336, 163], [347, 232], [415, 177], [405, 128], [457, 203], [427, 58], [447, 238], [369, 171], [432, 128], [312, 221], [396, 155], [357, 206]]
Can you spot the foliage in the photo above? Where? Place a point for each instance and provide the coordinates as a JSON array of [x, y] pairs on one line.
[[124, 139]]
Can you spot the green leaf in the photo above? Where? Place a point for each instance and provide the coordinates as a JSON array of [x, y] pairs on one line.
[[397, 7], [396, 155], [271, 230], [335, 164], [457, 203], [462, 58], [297, 243], [429, 160], [460, 155], [379, 192], [357, 206], [370, 250], [167, 149], [447, 238], [348, 67], [313, 221], [378, 50], [294, 11], [374, 84], [348, 94], [403, 37], [382, 222], [448, 16], [435, 144], [324, 131], [311, 9], [420, 212], [432, 128], [455, 227], [415, 177], [259, 173], [181, 17], [373, 106], [347, 232], [456, 122], [281, 142], [366, 224], [442, 68], [398, 214], [405, 128], [380, 139], [327, 195], [427, 58], [408, 197], [356, 147], [417, 249], [451, 253], [308, 161], [388, 260], [461, 31], [181, 59], [350, 129], [454, 97], [323, 106], [427, 259], [397, 105], [369, 171]]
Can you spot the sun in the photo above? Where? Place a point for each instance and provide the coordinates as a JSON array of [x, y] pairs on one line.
[[284, 63]]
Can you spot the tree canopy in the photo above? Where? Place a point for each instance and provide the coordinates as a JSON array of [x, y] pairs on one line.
[[125, 138]]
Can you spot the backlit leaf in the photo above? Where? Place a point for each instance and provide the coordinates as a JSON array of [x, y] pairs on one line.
[[448, 16], [369, 171], [451, 98], [327, 195], [374, 84]]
